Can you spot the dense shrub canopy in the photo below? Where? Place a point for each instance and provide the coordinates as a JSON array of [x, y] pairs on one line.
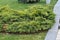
[[29, 20]]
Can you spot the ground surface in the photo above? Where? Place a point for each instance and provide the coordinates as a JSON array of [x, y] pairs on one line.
[[21, 6], [58, 36], [57, 11], [52, 34], [39, 36]]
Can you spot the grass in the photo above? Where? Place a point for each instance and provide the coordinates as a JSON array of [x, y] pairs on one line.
[[53, 2], [20, 6], [39, 36]]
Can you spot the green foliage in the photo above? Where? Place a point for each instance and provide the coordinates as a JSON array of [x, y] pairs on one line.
[[29, 20]]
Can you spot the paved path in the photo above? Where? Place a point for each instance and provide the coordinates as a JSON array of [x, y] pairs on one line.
[[58, 36], [57, 12], [52, 33]]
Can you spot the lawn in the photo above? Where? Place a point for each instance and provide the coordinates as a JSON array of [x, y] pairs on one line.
[[20, 6], [39, 36]]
